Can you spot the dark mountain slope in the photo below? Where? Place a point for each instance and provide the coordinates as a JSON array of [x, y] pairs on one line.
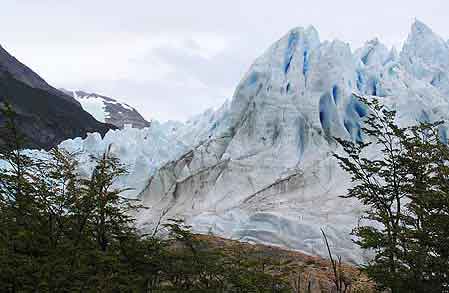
[[19, 71], [44, 118], [45, 115]]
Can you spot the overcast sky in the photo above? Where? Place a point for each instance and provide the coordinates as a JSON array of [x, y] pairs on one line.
[[172, 59]]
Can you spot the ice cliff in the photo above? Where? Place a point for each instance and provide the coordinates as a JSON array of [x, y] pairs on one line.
[[260, 168]]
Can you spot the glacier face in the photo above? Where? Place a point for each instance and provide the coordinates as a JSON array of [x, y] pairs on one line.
[[260, 168], [141, 151]]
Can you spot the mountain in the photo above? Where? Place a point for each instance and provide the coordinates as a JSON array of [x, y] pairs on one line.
[[109, 110], [260, 168], [9, 65], [45, 115]]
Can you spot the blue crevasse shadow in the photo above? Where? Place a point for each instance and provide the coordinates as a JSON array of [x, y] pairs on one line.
[[360, 80], [305, 62], [366, 56], [253, 78], [355, 111], [336, 93], [328, 111], [293, 39], [375, 90]]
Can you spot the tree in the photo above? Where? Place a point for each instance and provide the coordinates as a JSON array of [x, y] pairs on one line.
[[20, 215], [405, 191], [60, 232]]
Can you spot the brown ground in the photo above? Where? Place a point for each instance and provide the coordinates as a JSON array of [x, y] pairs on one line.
[[305, 273]]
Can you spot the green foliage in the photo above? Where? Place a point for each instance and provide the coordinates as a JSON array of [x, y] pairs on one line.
[[60, 232], [406, 195]]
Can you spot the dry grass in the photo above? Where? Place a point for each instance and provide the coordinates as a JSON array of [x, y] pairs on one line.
[[305, 273]]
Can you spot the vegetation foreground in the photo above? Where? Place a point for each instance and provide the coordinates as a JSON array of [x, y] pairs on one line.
[[60, 232]]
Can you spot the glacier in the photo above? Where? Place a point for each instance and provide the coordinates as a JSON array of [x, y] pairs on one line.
[[260, 167], [95, 106], [264, 170], [141, 151]]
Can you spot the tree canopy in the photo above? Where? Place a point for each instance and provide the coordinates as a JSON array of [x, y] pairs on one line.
[[405, 192]]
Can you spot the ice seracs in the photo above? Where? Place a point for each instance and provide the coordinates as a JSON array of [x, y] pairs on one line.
[[374, 53], [264, 172], [260, 168], [426, 56], [140, 150], [200, 127]]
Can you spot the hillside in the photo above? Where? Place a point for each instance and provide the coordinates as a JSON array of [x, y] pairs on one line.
[[45, 116]]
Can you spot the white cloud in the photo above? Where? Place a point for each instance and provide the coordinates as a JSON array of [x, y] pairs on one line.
[[175, 58]]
